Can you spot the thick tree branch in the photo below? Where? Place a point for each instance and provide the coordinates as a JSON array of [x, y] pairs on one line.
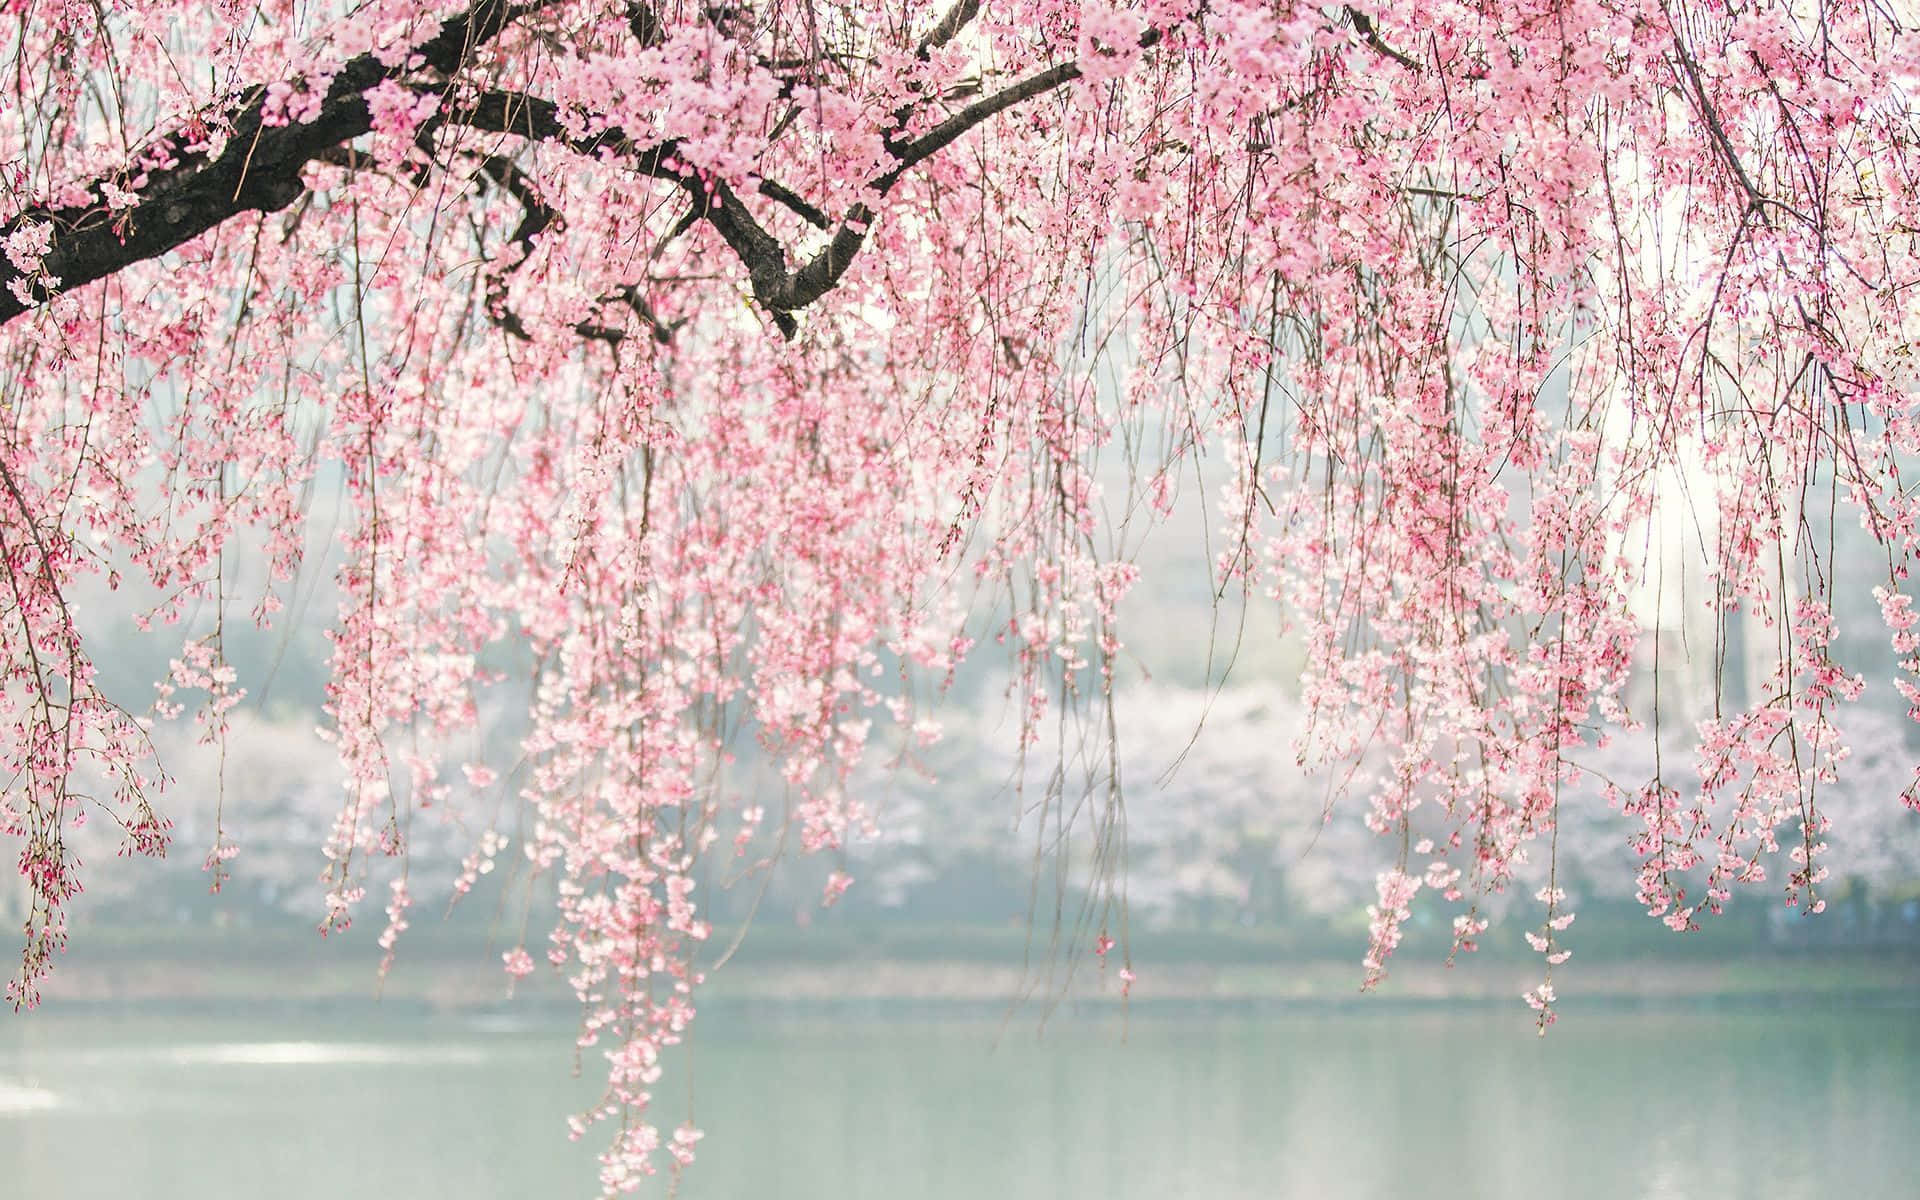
[[819, 275], [257, 170], [260, 169], [645, 24], [537, 119], [956, 19], [911, 154]]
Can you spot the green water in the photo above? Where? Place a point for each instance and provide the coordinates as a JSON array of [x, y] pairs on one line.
[[1809, 1103]]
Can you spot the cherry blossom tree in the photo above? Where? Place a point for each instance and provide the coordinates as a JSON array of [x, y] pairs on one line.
[[725, 357]]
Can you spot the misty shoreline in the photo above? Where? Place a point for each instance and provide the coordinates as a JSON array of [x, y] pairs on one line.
[[450, 985]]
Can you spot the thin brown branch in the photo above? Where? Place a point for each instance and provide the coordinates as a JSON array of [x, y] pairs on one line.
[[1364, 26], [782, 194], [912, 153]]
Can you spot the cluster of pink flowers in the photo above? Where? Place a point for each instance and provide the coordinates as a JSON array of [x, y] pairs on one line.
[[1397, 890], [298, 102]]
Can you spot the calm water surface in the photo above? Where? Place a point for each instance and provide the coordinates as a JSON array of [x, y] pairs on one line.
[[1469, 1105]]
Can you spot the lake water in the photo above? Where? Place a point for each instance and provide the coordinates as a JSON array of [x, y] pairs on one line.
[[1611, 1105]]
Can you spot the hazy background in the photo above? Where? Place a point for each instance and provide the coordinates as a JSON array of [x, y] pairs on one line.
[[1235, 854]]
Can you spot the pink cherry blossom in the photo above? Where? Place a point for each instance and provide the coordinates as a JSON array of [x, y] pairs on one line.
[[745, 371]]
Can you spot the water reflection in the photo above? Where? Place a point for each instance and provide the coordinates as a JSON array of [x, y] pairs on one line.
[[1467, 1105]]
